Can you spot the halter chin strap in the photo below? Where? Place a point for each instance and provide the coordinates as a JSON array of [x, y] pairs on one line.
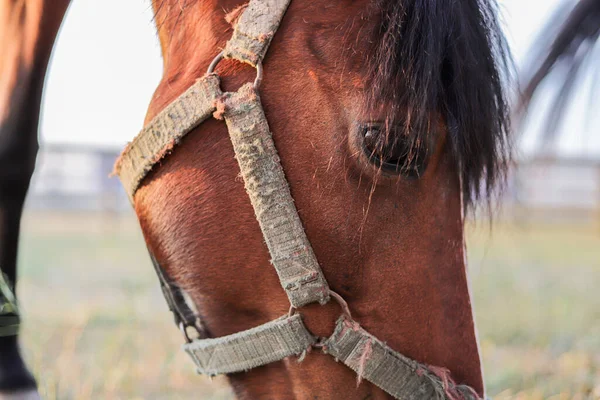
[[291, 253]]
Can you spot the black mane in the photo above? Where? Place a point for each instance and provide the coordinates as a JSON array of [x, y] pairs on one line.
[[448, 57], [568, 41]]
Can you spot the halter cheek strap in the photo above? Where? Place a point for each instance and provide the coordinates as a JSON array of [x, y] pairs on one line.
[[291, 253]]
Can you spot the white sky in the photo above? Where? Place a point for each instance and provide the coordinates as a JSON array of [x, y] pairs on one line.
[[107, 63]]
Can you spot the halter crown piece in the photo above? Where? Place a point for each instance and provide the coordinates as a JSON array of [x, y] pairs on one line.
[[291, 253]]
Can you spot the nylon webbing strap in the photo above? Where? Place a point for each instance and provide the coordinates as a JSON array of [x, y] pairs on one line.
[[254, 30], [9, 312], [165, 130], [291, 253], [252, 348], [175, 301], [377, 363]]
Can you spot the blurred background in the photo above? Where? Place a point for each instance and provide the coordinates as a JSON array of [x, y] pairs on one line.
[[95, 322]]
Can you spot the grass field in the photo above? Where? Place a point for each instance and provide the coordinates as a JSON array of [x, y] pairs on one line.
[[96, 326]]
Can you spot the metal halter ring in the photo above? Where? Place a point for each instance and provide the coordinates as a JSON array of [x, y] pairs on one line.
[[339, 299], [221, 55]]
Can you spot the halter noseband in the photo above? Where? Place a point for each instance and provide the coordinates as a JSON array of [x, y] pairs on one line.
[[291, 253]]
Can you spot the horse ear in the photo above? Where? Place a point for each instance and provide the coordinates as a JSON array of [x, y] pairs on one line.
[[570, 47], [450, 57]]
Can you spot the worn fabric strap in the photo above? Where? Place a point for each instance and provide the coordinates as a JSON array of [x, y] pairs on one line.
[[291, 253], [165, 130], [254, 30], [273, 341], [376, 362], [251, 38]]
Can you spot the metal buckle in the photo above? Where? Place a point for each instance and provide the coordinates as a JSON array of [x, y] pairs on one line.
[[183, 329], [220, 56]]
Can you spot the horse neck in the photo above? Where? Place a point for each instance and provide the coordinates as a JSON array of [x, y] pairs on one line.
[[27, 34]]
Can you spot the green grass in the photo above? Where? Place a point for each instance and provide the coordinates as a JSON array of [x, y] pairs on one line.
[[95, 322], [96, 325], [537, 301]]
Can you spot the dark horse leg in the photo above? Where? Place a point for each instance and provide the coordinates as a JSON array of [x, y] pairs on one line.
[[27, 32]]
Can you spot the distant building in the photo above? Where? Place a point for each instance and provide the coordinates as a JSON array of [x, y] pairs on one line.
[[76, 177], [555, 188]]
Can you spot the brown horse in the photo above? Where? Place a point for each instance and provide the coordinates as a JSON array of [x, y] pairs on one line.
[[390, 120], [27, 32]]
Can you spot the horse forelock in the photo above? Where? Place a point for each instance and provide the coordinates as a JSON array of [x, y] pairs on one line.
[[447, 58]]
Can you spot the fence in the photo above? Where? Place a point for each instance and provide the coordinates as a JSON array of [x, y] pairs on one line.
[[555, 189], [77, 178]]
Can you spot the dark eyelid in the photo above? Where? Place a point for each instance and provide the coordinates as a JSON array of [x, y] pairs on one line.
[[409, 169]]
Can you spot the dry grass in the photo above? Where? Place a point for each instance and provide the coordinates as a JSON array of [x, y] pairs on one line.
[[97, 327], [538, 310]]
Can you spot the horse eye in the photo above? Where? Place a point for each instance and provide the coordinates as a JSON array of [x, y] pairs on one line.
[[392, 151]]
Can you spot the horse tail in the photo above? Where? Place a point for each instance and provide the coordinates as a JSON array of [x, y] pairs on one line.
[[563, 58]]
